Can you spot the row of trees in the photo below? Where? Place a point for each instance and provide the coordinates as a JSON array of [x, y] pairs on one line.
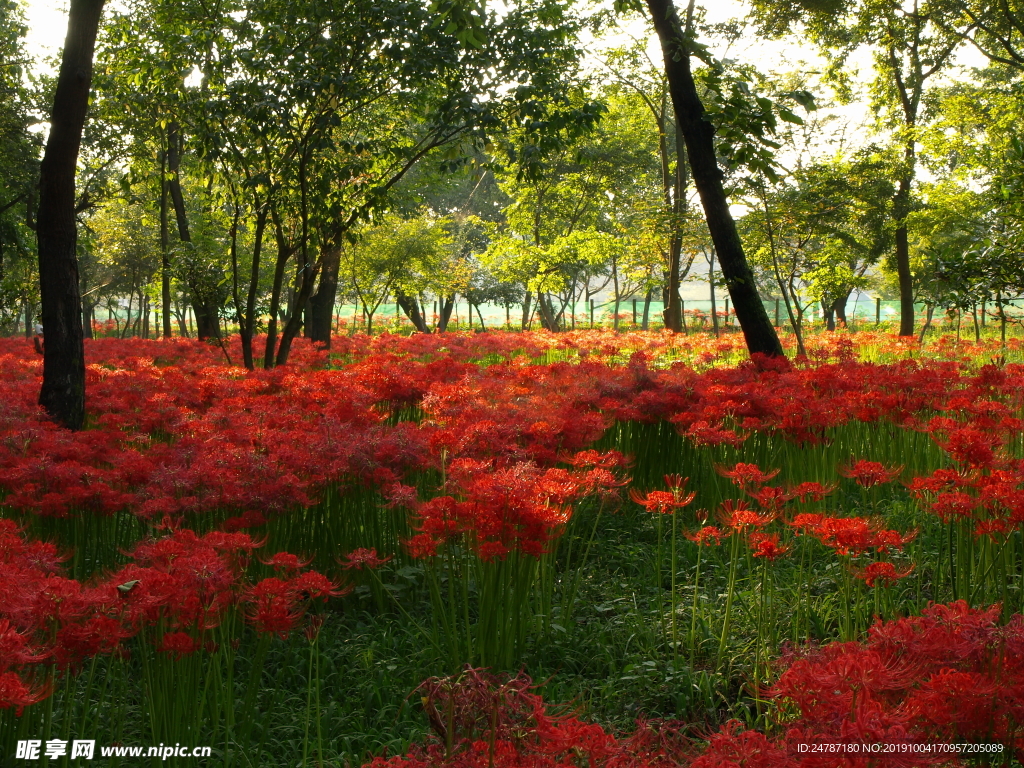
[[258, 157]]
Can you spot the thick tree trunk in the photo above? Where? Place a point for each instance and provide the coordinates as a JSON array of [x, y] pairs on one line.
[[546, 311], [322, 302], [63, 391], [906, 280], [411, 308], [447, 304], [698, 134]]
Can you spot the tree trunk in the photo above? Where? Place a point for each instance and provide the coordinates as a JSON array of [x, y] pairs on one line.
[[698, 134], [711, 280], [840, 309], [165, 249], [930, 309], [207, 322], [447, 304], [411, 308], [546, 310], [906, 280], [63, 392], [673, 313], [283, 253], [322, 302], [527, 304], [294, 324]]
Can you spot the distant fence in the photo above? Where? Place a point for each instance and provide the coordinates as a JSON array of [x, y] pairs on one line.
[[861, 312]]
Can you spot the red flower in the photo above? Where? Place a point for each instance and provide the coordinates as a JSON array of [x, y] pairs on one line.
[[364, 558], [883, 573], [709, 534], [767, 545], [738, 516], [747, 475], [177, 645], [868, 474], [15, 693], [286, 562]]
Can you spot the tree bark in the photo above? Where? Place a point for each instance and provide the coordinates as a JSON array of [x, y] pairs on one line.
[[411, 308], [527, 304], [447, 304], [283, 254], [207, 323], [906, 280], [165, 248], [294, 324], [698, 135], [63, 391], [322, 302], [673, 313]]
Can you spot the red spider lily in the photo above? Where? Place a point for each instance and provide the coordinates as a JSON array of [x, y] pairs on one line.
[[286, 562], [663, 502], [747, 476], [953, 505], [882, 573], [734, 746], [364, 558], [15, 693], [811, 491], [311, 585], [767, 545], [868, 474], [312, 630], [16, 647], [770, 497], [274, 609], [852, 535], [177, 645], [707, 535], [738, 516]]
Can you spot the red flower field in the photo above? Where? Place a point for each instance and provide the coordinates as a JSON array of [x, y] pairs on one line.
[[471, 489]]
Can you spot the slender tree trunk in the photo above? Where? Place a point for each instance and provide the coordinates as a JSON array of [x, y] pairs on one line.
[[930, 311], [165, 248], [698, 134], [87, 310], [647, 309], [62, 395], [207, 322], [283, 253], [294, 324], [711, 280], [673, 313], [527, 305]]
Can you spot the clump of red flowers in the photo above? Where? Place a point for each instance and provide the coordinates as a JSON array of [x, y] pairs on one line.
[[952, 675], [175, 590]]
